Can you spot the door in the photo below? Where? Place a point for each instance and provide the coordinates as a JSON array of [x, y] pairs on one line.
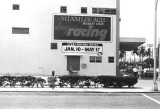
[[73, 61]]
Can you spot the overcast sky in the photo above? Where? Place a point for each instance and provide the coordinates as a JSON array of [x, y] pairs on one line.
[[137, 19]]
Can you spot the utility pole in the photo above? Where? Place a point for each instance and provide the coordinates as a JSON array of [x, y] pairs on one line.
[[155, 85], [159, 61]]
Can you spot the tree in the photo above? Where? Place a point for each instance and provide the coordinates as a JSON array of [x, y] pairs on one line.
[[141, 53], [149, 62], [149, 53], [134, 53], [121, 56]]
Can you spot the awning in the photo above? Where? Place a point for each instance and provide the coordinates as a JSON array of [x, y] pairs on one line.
[[128, 44]]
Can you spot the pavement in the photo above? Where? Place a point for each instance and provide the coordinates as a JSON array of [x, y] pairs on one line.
[[142, 86]]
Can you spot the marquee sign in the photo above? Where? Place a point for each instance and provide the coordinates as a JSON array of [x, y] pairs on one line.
[[82, 48], [67, 27]]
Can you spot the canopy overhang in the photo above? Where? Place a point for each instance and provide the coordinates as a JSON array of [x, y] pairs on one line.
[[128, 44]]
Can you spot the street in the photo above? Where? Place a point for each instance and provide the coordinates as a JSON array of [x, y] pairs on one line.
[[50, 100]]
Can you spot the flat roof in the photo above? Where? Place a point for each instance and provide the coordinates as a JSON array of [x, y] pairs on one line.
[[128, 44]]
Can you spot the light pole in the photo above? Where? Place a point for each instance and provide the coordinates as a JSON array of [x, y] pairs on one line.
[[155, 85]]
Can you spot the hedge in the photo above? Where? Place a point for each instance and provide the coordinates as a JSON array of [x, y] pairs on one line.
[[28, 81], [69, 81], [88, 81]]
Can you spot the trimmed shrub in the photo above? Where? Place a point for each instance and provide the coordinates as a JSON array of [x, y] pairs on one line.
[[68, 80], [115, 81], [28, 81], [105, 81]]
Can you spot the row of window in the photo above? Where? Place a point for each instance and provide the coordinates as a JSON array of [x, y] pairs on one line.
[[103, 11], [98, 59], [63, 9]]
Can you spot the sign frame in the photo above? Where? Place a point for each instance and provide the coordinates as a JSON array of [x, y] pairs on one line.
[[97, 16], [92, 48]]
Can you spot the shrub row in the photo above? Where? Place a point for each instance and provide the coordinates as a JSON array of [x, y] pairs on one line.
[[69, 81], [88, 81], [29, 81]]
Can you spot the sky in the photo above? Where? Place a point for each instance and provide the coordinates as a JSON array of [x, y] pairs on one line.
[[137, 19]]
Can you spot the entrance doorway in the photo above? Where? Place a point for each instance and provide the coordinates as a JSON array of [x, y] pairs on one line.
[[73, 61]]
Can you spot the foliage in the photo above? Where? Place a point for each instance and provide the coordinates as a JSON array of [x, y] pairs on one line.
[[122, 54], [105, 81], [115, 81], [68, 80], [28, 81], [150, 61]]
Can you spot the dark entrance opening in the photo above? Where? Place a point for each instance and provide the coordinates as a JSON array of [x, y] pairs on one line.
[[73, 61]]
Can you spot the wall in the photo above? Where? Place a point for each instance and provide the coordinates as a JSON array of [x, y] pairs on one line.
[[30, 54]]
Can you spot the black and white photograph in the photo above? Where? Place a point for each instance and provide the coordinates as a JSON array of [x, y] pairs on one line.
[[79, 54]]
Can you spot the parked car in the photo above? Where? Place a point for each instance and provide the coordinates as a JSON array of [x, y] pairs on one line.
[[150, 72]]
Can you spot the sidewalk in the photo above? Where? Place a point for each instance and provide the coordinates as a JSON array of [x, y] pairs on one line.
[[143, 86]]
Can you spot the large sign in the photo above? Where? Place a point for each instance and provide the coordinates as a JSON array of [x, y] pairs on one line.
[[93, 28], [82, 48]]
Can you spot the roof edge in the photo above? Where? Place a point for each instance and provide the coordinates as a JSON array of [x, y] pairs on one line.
[[132, 39]]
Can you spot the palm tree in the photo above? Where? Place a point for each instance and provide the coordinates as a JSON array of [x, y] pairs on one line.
[[134, 53], [149, 53], [142, 53], [121, 56]]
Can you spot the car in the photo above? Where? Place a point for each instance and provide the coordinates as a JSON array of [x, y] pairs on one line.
[[150, 72]]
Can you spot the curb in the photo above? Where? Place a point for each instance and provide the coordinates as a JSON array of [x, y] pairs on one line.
[[70, 90]]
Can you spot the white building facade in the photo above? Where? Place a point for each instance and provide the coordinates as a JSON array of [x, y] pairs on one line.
[[38, 36]]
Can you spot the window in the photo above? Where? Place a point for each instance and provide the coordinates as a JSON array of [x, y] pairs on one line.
[[113, 11], [94, 10], [84, 10], [53, 45], [103, 11], [63, 9], [111, 59], [92, 59], [107, 11], [18, 30], [99, 59], [95, 59], [15, 7]]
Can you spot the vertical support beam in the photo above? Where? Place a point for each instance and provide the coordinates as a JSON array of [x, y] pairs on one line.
[[159, 60], [117, 35], [155, 85]]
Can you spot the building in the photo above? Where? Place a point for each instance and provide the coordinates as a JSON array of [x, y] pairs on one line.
[[38, 36]]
